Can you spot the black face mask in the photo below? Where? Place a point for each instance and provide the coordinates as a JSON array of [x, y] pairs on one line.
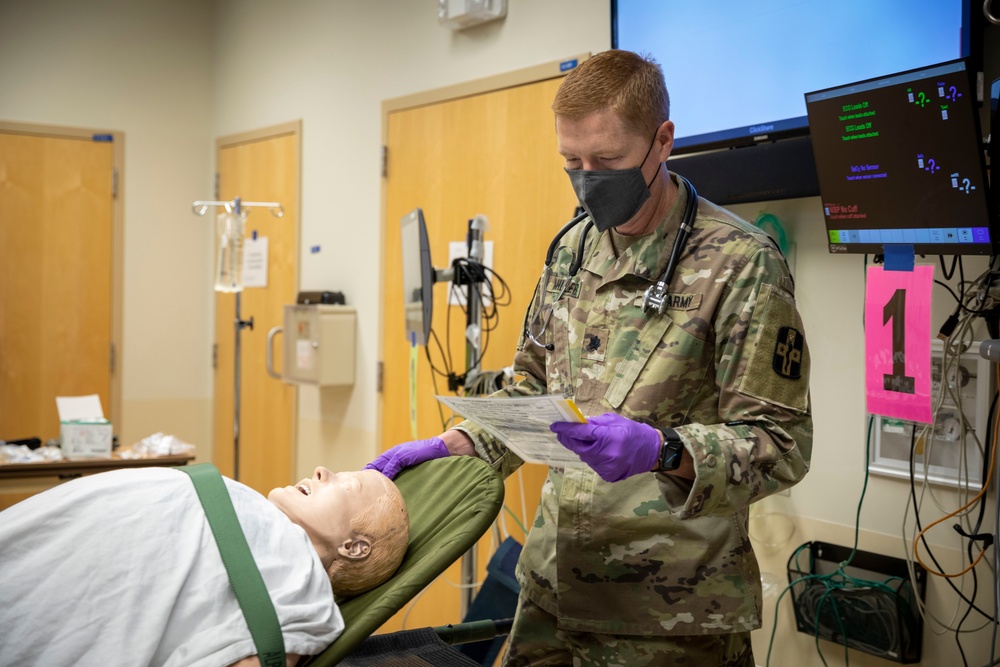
[[612, 197]]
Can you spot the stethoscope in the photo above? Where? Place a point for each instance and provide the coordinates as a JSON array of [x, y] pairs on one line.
[[655, 298]]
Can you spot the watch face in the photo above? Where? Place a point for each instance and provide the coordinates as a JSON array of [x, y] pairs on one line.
[[670, 455]]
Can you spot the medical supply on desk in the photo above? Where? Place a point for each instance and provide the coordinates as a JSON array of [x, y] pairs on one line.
[[86, 438], [33, 442], [24, 454], [158, 444], [84, 431]]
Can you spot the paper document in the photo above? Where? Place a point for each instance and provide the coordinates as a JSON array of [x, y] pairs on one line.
[[522, 424], [255, 262]]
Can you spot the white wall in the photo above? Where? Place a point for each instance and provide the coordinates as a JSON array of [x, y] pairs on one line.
[[144, 69], [157, 71]]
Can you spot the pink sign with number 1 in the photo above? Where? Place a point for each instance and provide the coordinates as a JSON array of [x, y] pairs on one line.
[[898, 343]]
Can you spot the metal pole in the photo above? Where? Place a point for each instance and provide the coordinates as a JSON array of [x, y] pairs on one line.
[[473, 352], [236, 207], [473, 362], [237, 326]]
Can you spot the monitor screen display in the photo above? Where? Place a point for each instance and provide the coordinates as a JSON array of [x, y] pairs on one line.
[[418, 277], [900, 160], [736, 70]]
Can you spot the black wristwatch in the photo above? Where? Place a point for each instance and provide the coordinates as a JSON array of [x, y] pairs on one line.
[[671, 451]]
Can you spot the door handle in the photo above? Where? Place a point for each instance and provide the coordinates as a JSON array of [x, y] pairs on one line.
[[270, 352]]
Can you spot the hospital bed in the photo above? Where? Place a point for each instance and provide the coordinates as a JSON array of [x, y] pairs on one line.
[[452, 502]]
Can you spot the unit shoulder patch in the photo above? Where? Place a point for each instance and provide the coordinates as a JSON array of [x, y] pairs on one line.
[[787, 359], [777, 363]]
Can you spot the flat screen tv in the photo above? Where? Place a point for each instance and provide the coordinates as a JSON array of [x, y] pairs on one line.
[[737, 70], [900, 160]]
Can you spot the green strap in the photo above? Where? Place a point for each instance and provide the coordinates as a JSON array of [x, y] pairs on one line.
[[240, 566]]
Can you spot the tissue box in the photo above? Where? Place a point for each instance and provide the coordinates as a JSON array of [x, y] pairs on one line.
[[86, 438]]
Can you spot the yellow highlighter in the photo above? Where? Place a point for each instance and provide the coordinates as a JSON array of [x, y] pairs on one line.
[[571, 412]]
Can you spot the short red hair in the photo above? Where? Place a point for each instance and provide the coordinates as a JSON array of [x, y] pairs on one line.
[[629, 84]]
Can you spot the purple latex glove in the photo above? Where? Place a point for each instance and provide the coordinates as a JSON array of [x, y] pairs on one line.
[[408, 454], [615, 447]]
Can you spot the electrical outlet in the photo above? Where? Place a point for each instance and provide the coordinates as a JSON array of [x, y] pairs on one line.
[[949, 449]]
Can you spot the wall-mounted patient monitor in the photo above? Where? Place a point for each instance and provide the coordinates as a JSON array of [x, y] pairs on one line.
[[418, 276], [900, 160]]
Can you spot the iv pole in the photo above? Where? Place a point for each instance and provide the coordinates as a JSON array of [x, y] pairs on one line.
[[237, 206], [478, 226]]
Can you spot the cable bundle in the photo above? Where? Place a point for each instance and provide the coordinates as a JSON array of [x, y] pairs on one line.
[[974, 299], [471, 273], [865, 602]]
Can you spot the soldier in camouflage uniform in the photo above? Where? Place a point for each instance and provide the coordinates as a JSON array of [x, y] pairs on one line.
[[627, 563]]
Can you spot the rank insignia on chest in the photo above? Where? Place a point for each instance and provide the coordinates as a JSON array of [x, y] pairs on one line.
[[787, 360], [595, 341]]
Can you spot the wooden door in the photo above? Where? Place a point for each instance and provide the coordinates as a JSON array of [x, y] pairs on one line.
[[57, 268], [263, 166], [492, 153]]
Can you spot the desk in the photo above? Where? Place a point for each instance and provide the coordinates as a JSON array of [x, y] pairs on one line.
[[22, 480], [70, 468]]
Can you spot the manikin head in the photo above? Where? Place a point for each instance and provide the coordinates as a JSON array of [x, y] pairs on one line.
[[357, 522]]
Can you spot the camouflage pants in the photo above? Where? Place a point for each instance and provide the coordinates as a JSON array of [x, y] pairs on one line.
[[536, 641]]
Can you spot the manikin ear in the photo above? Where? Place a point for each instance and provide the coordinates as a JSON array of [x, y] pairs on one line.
[[357, 548]]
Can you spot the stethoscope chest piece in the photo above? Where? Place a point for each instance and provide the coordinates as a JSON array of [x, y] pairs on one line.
[[655, 298]]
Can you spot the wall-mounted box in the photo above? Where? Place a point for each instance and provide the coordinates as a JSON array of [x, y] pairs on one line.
[[318, 345], [462, 14]]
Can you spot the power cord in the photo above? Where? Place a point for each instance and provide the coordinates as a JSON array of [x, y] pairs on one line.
[[471, 273], [972, 299], [988, 540]]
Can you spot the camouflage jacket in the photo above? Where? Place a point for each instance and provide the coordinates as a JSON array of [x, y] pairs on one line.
[[726, 366]]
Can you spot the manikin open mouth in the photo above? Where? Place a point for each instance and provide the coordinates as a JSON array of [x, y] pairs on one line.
[[304, 489]]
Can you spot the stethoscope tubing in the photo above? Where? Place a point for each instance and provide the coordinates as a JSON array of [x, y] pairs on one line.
[[680, 242]]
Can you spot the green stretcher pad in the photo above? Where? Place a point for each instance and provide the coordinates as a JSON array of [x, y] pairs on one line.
[[452, 502]]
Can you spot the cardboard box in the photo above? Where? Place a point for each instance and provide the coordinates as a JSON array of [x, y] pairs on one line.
[[86, 438], [84, 430]]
